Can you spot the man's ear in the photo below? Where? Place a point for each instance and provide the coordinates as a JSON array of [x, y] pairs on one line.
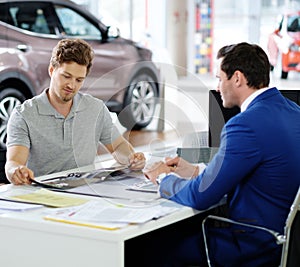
[[238, 78], [50, 70]]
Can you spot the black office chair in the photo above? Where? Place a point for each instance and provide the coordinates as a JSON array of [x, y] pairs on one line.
[[290, 240], [3, 178]]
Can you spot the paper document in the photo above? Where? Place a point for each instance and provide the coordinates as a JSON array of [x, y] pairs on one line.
[[96, 214], [6, 205], [144, 186], [118, 187], [49, 198]]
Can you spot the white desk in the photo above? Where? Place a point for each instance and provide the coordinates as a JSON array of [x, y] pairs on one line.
[[27, 240]]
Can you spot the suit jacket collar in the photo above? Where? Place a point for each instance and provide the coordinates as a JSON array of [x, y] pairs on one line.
[[266, 94]]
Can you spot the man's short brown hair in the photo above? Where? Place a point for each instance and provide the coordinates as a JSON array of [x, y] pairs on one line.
[[72, 50]]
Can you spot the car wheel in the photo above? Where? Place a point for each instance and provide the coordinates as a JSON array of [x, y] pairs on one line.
[[9, 98], [284, 74], [139, 103]]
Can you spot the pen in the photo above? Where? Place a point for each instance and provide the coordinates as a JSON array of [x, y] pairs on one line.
[[72, 213], [142, 190]]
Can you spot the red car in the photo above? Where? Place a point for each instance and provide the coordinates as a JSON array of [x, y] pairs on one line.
[[284, 44]]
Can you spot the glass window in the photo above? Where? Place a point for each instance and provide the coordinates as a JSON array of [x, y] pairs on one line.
[[32, 17], [4, 15], [293, 24], [76, 25]]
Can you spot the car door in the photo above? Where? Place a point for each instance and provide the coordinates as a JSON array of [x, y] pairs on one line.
[[38, 25], [32, 35], [107, 74]]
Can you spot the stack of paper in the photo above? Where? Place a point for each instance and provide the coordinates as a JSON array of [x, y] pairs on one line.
[[49, 198], [95, 214], [7, 205]]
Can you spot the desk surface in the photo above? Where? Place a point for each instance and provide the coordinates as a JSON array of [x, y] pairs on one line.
[[29, 240], [33, 219]]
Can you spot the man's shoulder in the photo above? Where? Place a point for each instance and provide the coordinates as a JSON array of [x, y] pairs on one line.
[[29, 104], [89, 99], [85, 101]]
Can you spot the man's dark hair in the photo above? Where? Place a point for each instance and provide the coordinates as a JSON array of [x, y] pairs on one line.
[[72, 50], [250, 59]]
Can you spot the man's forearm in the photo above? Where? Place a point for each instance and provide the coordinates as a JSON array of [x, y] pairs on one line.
[[122, 152]]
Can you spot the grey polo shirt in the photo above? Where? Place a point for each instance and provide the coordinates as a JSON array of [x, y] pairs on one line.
[[57, 143]]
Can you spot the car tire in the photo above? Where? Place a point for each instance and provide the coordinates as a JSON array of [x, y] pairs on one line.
[[9, 99], [139, 103], [284, 74]]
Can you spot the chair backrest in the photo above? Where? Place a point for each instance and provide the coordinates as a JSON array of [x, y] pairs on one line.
[[291, 248]]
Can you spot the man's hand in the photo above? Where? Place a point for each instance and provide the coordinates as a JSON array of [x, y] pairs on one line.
[[15, 166], [20, 175], [152, 171], [183, 168], [137, 161]]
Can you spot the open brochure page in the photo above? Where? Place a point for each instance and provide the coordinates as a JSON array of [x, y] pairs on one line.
[[76, 179]]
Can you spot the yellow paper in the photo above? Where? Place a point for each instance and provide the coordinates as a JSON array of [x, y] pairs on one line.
[[49, 198]]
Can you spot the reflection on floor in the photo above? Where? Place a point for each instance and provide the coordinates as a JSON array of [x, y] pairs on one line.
[[145, 138], [149, 141]]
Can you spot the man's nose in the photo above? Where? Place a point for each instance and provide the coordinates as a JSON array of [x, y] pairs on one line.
[[72, 83]]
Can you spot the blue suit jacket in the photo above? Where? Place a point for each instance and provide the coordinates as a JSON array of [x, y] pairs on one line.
[[258, 166]]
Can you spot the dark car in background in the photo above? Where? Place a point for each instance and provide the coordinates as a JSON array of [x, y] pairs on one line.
[[284, 44], [123, 75]]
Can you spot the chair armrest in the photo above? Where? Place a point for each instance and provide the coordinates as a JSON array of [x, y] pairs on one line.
[[280, 239], [277, 235]]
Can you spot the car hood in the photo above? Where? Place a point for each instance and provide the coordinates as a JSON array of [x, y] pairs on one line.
[[144, 52]]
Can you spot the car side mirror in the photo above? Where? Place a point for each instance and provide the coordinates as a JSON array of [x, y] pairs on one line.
[[113, 32]]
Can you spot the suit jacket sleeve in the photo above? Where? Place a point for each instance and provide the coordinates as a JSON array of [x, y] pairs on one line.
[[238, 156]]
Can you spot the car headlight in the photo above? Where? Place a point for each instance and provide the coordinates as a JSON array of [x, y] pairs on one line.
[[294, 48]]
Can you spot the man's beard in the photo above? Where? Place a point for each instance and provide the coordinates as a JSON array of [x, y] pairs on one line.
[[66, 98]]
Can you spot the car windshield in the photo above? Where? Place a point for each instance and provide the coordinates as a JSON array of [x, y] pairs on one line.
[[293, 24], [76, 25]]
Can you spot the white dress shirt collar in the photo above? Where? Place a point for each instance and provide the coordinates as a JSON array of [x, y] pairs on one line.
[[251, 97]]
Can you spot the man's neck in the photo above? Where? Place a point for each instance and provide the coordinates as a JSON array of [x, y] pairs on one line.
[[62, 107]]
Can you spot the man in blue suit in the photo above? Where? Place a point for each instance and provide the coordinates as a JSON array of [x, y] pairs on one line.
[[257, 166]]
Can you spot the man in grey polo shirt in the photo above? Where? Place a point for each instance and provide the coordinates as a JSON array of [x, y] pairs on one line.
[[61, 128]]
